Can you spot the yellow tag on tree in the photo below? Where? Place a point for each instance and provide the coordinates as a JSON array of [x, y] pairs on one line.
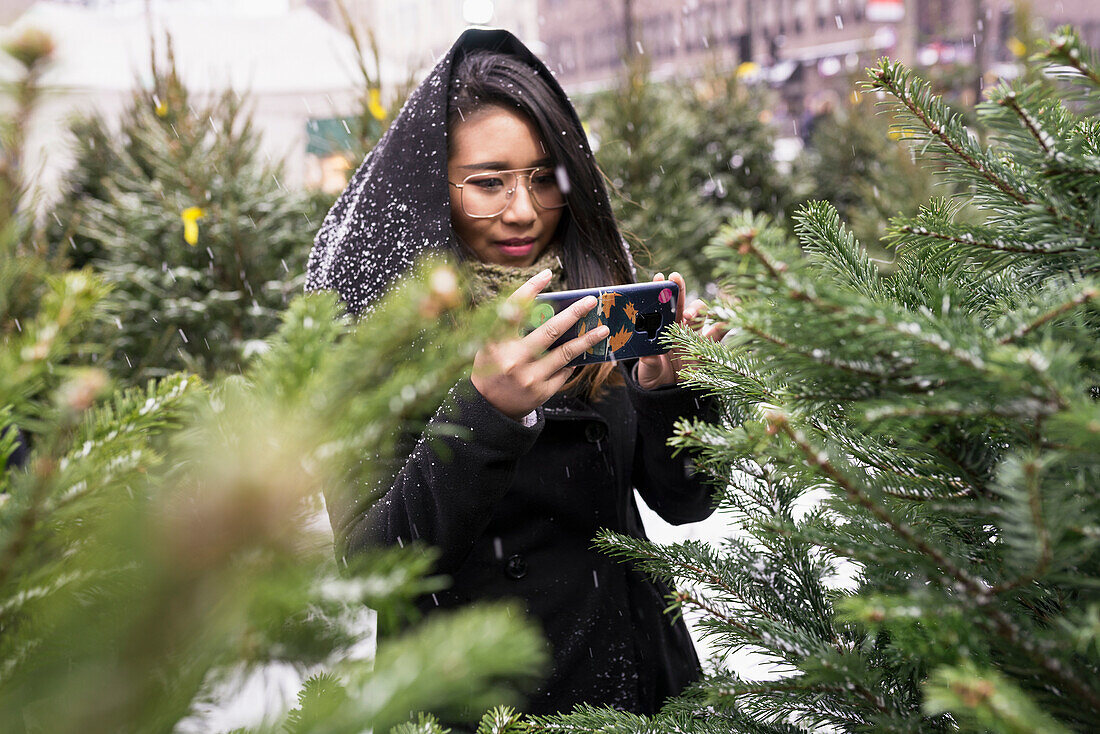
[[191, 216], [747, 68], [374, 104]]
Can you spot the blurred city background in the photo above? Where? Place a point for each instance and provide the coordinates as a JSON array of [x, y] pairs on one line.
[[297, 61]]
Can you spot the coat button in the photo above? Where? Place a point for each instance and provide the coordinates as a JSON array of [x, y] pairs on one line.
[[515, 567], [595, 432]]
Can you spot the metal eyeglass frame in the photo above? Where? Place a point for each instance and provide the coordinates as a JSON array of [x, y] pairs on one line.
[[510, 196]]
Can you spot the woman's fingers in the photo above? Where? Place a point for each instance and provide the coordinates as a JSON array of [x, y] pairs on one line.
[[531, 288], [682, 286], [541, 338], [574, 348], [557, 380], [693, 312], [682, 297], [716, 331]]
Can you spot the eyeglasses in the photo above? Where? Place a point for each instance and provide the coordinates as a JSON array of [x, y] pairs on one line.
[[486, 195]]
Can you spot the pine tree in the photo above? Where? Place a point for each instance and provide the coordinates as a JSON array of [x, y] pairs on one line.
[[636, 125], [156, 536], [730, 157], [851, 162], [95, 157], [682, 158], [161, 535], [41, 315], [201, 241], [911, 458]]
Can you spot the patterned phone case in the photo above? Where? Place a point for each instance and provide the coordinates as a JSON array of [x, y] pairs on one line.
[[637, 315]]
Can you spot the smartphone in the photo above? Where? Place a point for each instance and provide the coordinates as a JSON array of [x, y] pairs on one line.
[[637, 315]]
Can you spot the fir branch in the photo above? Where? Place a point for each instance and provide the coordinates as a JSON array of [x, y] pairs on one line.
[[800, 685], [1066, 49], [978, 590], [606, 720], [614, 544], [768, 337], [820, 359], [862, 555], [1044, 140], [887, 77], [682, 597], [963, 490], [936, 341], [818, 459], [819, 229], [43, 471], [984, 411], [995, 245], [1004, 626], [957, 462], [984, 700], [964, 493], [501, 720], [778, 271], [1011, 99], [796, 293], [1046, 553], [874, 455], [1084, 296], [711, 359], [1058, 169], [424, 724]]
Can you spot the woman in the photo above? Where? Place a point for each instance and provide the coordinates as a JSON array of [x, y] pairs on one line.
[[488, 160]]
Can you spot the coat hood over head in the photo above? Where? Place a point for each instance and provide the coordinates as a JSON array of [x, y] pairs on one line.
[[396, 208]]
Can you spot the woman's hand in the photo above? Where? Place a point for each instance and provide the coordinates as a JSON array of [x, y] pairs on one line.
[[664, 369], [518, 375]]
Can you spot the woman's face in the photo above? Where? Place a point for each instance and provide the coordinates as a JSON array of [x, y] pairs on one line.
[[499, 139]]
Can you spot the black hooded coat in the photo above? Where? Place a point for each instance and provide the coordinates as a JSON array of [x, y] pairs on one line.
[[513, 511]]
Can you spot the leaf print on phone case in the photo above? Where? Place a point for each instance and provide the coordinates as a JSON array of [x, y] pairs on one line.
[[619, 339], [631, 312], [607, 302]]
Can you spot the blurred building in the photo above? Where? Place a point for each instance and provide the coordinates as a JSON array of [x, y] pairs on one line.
[[807, 49]]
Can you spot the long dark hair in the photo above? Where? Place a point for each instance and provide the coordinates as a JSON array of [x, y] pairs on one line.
[[589, 243]]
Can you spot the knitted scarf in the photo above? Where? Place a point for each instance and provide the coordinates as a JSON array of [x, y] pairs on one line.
[[488, 280]]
